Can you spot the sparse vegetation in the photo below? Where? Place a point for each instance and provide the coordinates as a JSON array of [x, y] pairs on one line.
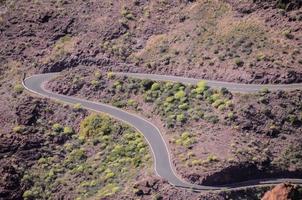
[[95, 175], [186, 139], [18, 88], [57, 127], [68, 130], [77, 107], [235, 41]]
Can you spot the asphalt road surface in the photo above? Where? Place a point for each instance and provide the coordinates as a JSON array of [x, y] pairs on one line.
[[162, 162], [234, 87]]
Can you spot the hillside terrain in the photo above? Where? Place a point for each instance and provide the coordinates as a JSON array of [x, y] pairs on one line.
[[49, 150]]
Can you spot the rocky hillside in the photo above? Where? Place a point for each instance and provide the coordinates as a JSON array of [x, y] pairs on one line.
[[248, 41]]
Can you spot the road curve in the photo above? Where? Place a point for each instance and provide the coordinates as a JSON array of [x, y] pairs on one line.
[[234, 87], [162, 159]]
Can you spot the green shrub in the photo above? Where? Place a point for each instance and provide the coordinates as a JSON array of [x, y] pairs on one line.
[[157, 197], [109, 174], [196, 162], [228, 103], [212, 158], [77, 107], [186, 139], [180, 94], [95, 124], [185, 135], [76, 155], [110, 75], [18, 88], [33, 193], [201, 87], [211, 118], [68, 130], [202, 84], [57, 127], [181, 118], [183, 106], [155, 86], [288, 34], [125, 12], [170, 99], [214, 98], [261, 57], [95, 83], [28, 195], [221, 107], [264, 90], [217, 103], [231, 115], [108, 190], [292, 119], [97, 74], [131, 102]]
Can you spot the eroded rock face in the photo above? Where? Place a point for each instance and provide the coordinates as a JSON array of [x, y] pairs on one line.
[[146, 187], [9, 183], [284, 191], [250, 6], [241, 172]]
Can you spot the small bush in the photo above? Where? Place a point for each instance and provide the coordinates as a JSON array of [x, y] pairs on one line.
[[218, 103], [95, 124], [125, 12], [196, 162], [157, 197], [108, 190], [264, 90], [239, 62], [292, 119], [77, 107], [288, 34], [155, 86], [183, 106], [180, 94], [68, 130], [181, 118], [110, 75], [57, 128], [18, 88], [18, 129], [77, 154], [211, 118], [261, 57], [97, 75], [212, 158], [221, 107], [231, 115], [201, 86], [33, 193], [95, 83], [131, 102], [169, 99]]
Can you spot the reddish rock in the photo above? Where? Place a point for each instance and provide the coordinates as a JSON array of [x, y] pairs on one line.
[[282, 191]]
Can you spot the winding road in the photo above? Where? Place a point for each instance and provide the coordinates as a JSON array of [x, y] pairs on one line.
[[162, 159]]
